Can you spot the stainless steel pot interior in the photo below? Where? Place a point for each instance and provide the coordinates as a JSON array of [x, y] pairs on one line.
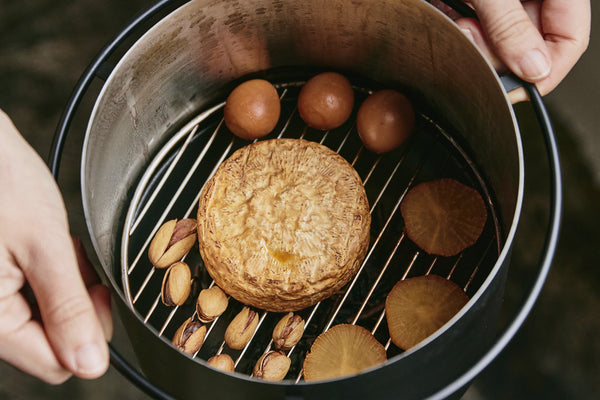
[[189, 61], [170, 188]]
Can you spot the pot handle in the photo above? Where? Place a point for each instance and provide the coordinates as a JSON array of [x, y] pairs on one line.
[[514, 88], [519, 90]]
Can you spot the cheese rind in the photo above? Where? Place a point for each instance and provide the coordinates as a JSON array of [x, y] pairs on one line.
[[283, 224]]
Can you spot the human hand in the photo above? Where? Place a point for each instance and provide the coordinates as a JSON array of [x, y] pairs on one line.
[[64, 330], [539, 41]]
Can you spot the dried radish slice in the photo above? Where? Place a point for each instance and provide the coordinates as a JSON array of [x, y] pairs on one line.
[[342, 350], [443, 217], [417, 307]]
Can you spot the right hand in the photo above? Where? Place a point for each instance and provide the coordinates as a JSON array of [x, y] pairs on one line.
[[539, 40]]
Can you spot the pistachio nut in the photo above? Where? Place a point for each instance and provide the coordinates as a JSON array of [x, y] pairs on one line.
[[272, 366], [172, 241], [211, 303], [189, 337], [222, 362], [288, 331], [241, 329], [176, 284]]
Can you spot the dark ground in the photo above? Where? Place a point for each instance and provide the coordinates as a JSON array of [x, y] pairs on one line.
[[45, 46]]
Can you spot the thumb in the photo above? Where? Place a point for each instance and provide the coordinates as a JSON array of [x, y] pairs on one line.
[[514, 38], [68, 314]]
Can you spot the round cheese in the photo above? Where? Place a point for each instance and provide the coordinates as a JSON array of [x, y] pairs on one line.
[[283, 224]]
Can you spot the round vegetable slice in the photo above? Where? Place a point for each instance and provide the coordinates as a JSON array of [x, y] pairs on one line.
[[444, 216], [342, 350], [417, 307]]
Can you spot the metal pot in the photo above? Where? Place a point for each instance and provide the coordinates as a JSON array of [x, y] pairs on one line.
[[189, 60]]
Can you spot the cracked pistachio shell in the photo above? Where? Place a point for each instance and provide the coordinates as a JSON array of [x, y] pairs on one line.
[[222, 362], [272, 366], [189, 338], [176, 284], [172, 241], [288, 331], [211, 303], [241, 329]]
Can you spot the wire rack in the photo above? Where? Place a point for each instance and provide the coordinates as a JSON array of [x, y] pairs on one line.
[[170, 188]]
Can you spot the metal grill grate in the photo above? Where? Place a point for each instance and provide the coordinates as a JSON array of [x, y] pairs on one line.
[[170, 188]]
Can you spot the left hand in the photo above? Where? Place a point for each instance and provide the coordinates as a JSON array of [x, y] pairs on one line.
[[54, 314]]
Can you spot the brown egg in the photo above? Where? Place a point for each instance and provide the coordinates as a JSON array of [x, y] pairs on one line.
[[326, 101], [385, 120], [252, 109]]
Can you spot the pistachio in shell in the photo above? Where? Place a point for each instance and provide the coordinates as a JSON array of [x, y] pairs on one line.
[[189, 337], [176, 284], [172, 241], [211, 303], [288, 331], [222, 362], [272, 366], [241, 329]]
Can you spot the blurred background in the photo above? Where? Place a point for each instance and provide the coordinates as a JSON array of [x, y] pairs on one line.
[[45, 46]]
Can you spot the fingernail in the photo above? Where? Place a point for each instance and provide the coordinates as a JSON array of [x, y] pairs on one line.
[[90, 360], [534, 65], [468, 33]]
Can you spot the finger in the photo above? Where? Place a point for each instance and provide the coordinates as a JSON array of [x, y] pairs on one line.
[[472, 29], [99, 294], [514, 38], [11, 277], [87, 271], [24, 344], [446, 9], [566, 25], [68, 315]]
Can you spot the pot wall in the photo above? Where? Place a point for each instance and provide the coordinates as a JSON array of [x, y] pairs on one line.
[[190, 59]]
